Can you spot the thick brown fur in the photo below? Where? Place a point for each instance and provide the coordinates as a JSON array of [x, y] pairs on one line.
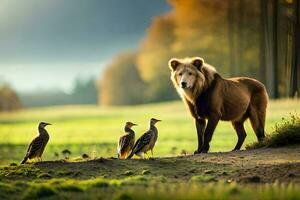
[[211, 98]]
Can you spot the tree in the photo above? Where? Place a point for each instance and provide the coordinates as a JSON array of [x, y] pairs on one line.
[[295, 68], [201, 30], [84, 92], [253, 38], [153, 57], [9, 99], [281, 42], [121, 83]]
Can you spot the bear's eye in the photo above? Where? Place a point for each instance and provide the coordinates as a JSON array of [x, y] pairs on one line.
[[180, 74], [190, 73]]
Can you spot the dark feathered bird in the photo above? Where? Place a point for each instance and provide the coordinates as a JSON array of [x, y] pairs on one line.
[[126, 141], [38, 144], [147, 141]]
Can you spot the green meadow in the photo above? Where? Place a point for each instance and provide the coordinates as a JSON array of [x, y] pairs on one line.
[[273, 173], [94, 130]]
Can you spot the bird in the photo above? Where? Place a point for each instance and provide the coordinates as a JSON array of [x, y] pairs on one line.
[[126, 141], [147, 141], [38, 144]]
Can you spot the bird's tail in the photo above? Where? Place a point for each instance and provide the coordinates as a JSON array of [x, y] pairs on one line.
[[24, 160], [122, 155]]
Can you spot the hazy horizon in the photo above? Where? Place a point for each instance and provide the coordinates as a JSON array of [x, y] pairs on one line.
[[47, 44]]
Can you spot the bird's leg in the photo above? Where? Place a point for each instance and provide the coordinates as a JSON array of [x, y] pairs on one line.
[[152, 152]]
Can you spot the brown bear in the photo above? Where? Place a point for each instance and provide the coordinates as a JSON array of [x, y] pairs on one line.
[[211, 98]]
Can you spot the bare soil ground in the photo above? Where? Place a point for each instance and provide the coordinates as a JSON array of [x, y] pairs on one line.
[[261, 165], [110, 176]]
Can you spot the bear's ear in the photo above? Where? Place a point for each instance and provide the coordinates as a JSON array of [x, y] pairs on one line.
[[198, 62], [173, 64]]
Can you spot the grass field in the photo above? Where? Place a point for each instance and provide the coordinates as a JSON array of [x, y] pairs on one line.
[[95, 130], [272, 173]]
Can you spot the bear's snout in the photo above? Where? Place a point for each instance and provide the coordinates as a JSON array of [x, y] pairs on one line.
[[183, 84]]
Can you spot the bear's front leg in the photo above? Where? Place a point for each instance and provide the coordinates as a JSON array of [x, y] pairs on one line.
[[200, 126], [211, 126]]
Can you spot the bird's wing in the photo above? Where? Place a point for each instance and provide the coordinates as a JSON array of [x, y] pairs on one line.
[[28, 150], [142, 141], [29, 147], [135, 145], [121, 141], [125, 142], [35, 145]]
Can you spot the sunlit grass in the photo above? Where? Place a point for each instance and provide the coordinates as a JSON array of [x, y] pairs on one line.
[[139, 187], [287, 132], [95, 130]]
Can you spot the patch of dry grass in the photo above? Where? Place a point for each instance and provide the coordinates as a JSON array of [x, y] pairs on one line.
[[287, 132]]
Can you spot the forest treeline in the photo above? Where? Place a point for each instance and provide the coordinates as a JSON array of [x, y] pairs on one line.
[[9, 99], [84, 92], [254, 38]]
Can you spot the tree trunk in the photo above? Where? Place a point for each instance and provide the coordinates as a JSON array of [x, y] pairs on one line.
[[231, 36], [234, 36], [240, 30], [268, 15], [295, 68], [263, 41], [275, 48]]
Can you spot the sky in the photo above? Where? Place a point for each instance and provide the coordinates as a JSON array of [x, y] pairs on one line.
[[46, 44]]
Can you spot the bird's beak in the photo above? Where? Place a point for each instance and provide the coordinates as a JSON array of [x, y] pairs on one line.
[[134, 125], [48, 124], [158, 120]]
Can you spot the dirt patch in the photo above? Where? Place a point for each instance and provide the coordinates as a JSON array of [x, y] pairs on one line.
[[233, 175], [251, 166]]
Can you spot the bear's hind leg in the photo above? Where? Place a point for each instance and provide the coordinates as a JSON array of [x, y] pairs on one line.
[[257, 113], [257, 119], [241, 133]]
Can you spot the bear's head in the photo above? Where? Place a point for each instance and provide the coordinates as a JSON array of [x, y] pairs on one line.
[[190, 76], [185, 72]]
